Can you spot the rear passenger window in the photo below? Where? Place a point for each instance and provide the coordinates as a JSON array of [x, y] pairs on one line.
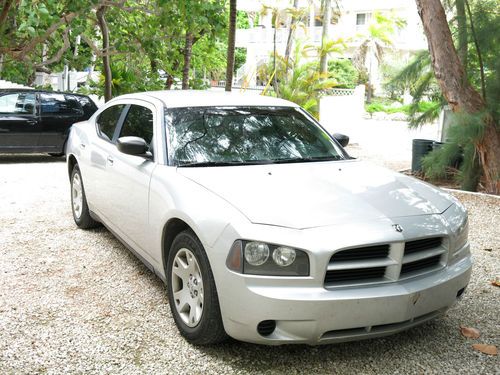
[[87, 104], [107, 121], [59, 104], [138, 123]]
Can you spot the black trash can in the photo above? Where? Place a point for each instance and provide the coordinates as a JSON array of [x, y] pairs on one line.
[[420, 148]]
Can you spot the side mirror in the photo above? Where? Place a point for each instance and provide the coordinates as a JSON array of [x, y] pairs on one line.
[[342, 139], [132, 146]]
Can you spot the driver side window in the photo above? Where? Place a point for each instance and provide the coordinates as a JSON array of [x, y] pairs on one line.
[[107, 121], [138, 123]]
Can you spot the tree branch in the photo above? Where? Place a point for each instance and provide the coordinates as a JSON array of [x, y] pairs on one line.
[[64, 20], [98, 52], [5, 12], [478, 50], [57, 57]]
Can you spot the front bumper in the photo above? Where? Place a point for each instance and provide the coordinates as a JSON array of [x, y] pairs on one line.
[[315, 315]]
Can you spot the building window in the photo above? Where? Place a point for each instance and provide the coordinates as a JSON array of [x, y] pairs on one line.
[[362, 19]]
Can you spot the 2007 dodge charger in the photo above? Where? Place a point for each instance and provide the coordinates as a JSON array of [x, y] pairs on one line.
[[260, 224]]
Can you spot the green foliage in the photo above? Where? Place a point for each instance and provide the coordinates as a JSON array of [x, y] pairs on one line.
[[408, 109], [343, 72], [486, 19], [149, 36], [418, 78], [242, 21], [240, 57], [464, 135], [301, 83]]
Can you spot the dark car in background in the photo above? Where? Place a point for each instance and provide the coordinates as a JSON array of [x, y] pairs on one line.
[[39, 121]]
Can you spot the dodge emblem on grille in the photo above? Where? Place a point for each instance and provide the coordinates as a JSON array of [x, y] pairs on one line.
[[398, 227]]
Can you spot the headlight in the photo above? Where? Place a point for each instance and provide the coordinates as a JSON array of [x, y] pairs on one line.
[[259, 258], [284, 256], [256, 253], [462, 235]]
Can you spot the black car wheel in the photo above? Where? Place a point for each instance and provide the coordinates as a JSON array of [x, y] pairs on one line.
[[192, 293]]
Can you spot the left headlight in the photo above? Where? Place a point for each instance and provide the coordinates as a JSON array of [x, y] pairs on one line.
[[260, 258]]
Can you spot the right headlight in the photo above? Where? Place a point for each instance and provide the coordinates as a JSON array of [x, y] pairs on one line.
[[461, 235], [260, 258]]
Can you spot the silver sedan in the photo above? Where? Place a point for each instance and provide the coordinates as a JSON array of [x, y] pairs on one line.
[[260, 224]]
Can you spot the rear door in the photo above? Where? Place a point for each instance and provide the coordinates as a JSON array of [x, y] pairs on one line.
[[19, 128], [57, 113]]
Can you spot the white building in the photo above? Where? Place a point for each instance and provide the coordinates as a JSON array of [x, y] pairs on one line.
[[350, 22]]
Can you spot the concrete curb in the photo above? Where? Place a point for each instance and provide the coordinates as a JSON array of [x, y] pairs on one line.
[[471, 193]]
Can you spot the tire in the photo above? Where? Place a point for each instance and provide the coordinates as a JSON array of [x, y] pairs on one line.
[[79, 207], [192, 293]]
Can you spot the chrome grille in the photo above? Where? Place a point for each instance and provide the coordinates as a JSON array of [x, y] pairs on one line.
[[370, 252], [354, 274], [423, 244], [421, 264], [384, 262]]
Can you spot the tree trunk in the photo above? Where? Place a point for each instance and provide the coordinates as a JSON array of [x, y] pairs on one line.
[[188, 49], [327, 17], [460, 95], [291, 31], [106, 63], [230, 45]]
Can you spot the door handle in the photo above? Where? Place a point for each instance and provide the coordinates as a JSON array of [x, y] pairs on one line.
[[82, 145], [110, 160], [31, 122]]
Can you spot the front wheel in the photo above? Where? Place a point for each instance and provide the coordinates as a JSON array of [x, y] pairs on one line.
[[192, 293], [79, 207]]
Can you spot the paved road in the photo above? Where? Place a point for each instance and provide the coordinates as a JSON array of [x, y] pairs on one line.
[[74, 301], [388, 143]]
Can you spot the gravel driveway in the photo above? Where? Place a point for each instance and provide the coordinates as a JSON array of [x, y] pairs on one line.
[[74, 301]]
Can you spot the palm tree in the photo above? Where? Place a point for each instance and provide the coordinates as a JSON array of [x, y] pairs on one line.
[[377, 38], [327, 18], [230, 44]]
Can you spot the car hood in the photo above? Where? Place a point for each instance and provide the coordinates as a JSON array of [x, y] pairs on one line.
[[307, 195]]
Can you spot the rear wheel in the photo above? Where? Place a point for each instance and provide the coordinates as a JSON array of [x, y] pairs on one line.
[[192, 293], [79, 206]]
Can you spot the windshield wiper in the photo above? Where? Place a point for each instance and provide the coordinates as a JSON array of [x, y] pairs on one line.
[[309, 159], [223, 163], [258, 162]]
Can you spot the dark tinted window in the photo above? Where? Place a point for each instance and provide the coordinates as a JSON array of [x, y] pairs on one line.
[[60, 104], [138, 123], [87, 104], [107, 121], [251, 134], [19, 103]]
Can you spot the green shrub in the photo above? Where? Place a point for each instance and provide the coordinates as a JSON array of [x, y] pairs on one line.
[[407, 109], [344, 73]]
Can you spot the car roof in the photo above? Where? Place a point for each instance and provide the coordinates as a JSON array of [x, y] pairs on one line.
[[13, 89], [206, 98]]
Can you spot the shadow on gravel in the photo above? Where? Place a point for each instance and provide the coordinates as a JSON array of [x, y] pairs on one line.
[[30, 158], [277, 359]]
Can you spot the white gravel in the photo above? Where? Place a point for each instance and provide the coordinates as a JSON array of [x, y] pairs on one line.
[[74, 301]]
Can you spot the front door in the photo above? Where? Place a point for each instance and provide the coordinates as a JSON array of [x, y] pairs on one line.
[[19, 127], [130, 177]]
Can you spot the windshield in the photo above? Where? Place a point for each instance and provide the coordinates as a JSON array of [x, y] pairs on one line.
[[201, 136]]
